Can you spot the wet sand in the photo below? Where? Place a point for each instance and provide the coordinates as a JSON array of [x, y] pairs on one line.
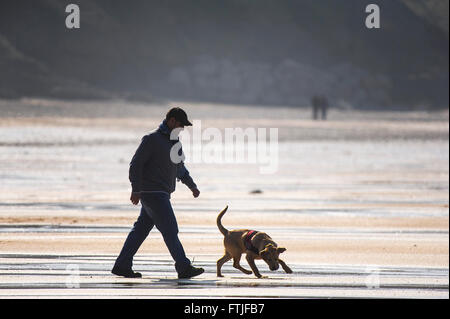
[[359, 199], [85, 276]]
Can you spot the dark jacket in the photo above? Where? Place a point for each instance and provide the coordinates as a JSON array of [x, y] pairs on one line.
[[152, 169]]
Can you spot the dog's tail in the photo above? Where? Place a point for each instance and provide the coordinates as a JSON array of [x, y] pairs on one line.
[[222, 229]]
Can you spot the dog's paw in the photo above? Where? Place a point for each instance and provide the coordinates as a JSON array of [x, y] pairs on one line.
[[288, 270]]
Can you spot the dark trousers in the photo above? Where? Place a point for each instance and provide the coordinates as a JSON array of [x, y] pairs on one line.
[[156, 211]]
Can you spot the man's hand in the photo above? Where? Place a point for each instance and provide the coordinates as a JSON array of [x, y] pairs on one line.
[[135, 197], [195, 192]]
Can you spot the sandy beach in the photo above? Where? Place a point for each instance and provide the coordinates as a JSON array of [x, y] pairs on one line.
[[360, 197]]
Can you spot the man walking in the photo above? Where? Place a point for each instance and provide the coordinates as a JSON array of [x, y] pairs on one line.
[[152, 175]]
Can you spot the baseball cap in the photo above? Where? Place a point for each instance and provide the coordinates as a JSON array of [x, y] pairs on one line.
[[180, 115]]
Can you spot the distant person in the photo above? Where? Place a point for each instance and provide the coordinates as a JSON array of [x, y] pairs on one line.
[[315, 102], [324, 105], [320, 106], [152, 175]]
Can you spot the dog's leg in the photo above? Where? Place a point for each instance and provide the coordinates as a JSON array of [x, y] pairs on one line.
[[222, 261], [285, 267], [236, 260], [251, 262]]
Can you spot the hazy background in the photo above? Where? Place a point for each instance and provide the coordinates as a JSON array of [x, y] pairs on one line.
[[236, 51]]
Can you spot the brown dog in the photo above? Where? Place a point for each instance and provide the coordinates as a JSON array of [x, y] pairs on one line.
[[257, 245]]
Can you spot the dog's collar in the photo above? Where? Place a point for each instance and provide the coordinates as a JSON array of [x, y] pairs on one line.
[[248, 241]]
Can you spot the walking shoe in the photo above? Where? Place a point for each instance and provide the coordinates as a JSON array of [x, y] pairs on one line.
[[190, 272], [127, 273]]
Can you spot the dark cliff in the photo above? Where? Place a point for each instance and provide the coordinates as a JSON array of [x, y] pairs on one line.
[[236, 51]]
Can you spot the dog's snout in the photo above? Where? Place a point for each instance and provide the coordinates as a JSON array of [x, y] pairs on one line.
[[274, 267]]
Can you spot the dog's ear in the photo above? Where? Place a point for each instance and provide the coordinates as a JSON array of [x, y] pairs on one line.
[[281, 250]]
